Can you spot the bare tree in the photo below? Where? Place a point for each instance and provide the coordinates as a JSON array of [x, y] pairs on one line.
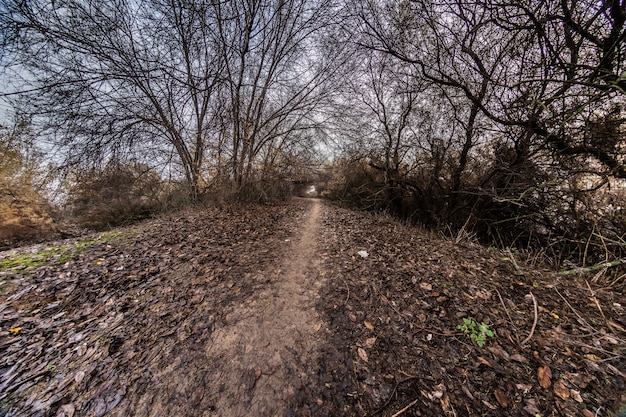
[[163, 77], [535, 66], [276, 73], [520, 89], [115, 75]]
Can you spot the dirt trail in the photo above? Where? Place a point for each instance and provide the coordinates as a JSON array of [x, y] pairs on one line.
[[263, 349], [227, 312]]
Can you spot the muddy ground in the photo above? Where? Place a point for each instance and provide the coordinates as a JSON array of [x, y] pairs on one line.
[[272, 311]]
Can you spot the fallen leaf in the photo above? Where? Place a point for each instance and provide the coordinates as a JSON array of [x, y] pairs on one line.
[[437, 394], [317, 327], [445, 404], [362, 354], [594, 367], [545, 376], [15, 329], [80, 375], [66, 410], [484, 361], [588, 413], [519, 358], [499, 352], [369, 342], [491, 406], [369, 325], [426, 286], [561, 390], [531, 407], [501, 397], [593, 357], [485, 295], [197, 396], [576, 396]]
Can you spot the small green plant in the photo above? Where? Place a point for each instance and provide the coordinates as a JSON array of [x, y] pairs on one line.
[[478, 332]]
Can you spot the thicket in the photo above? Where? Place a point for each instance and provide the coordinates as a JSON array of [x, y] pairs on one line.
[[498, 120], [118, 193], [25, 213]]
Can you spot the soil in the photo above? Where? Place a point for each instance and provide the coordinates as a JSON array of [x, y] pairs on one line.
[[302, 309]]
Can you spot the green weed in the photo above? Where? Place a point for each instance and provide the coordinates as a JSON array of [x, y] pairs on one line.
[[478, 332]]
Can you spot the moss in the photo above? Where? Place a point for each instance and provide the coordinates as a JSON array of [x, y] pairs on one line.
[[29, 260], [57, 254]]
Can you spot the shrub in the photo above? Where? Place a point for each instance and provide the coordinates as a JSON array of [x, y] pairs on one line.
[[25, 214], [116, 194]]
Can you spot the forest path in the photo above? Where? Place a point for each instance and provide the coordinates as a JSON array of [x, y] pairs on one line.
[[271, 341], [270, 310]]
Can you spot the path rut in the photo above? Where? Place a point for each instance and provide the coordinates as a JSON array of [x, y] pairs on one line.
[[270, 344]]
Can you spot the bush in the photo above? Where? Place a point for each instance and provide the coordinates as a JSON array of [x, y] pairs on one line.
[[502, 200], [117, 194], [25, 214]]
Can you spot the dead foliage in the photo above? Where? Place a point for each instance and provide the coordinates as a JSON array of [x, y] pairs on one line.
[[124, 327], [99, 333], [25, 214], [502, 201], [120, 192], [395, 347]]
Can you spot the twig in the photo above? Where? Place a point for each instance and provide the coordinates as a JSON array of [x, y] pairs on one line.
[[591, 347], [348, 288], [411, 404], [395, 389], [532, 330], [617, 279], [593, 268], [595, 299], [574, 310], [597, 276], [518, 270], [507, 314]]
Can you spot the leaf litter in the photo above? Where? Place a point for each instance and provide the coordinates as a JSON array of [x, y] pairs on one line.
[[124, 327]]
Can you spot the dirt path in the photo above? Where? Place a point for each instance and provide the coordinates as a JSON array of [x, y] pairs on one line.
[[262, 350], [229, 312]]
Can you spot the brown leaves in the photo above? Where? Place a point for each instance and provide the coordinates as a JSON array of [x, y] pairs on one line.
[[369, 342], [158, 292], [545, 376], [561, 390], [397, 312], [501, 397], [519, 358], [316, 327]]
